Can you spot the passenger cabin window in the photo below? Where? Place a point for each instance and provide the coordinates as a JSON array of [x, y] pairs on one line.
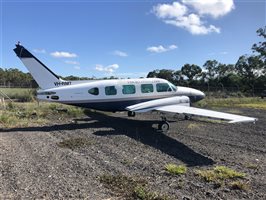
[[94, 91], [146, 88], [129, 89], [163, 87], [110, 90]]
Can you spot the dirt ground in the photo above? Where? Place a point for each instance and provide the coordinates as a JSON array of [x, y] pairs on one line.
[[34, 165]]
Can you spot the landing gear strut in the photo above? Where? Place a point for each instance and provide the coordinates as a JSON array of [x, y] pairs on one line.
[[131, 114]]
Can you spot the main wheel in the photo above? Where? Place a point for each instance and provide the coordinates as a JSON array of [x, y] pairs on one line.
[[187, 117], [164, 126], [131, 114]]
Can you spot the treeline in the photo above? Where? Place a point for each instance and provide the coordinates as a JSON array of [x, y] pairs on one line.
[[247, 75], [13, 77]]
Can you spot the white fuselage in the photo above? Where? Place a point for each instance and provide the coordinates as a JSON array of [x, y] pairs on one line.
[[116, 95]]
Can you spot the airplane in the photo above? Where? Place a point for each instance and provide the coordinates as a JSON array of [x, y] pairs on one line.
[[131, 95]]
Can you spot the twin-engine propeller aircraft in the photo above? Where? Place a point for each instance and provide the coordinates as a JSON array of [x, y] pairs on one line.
[[131, 95]]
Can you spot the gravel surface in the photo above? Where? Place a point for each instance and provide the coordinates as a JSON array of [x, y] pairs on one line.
[[67, 160]]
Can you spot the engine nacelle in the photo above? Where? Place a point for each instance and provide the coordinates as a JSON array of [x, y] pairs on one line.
[[151, 105]]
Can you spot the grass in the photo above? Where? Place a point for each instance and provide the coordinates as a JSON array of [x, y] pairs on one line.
[[176, 169], [130, 187], [245, 102], [194, 126], [22, 94], [239, 185], [74, 143], [219, 173], [32, 114]]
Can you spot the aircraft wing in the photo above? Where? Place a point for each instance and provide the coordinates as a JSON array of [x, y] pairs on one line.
[[232, 118], [170, 105]]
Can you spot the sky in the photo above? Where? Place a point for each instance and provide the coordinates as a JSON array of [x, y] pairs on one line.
[[128, 38]]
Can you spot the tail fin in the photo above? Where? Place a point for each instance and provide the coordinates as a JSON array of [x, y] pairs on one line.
[[42, 74]]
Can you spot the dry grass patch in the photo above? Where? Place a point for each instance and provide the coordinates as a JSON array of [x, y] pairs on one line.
[[239, 185], [31, 114], [130, 188], [74, 143], [176, 169], [219, 173]]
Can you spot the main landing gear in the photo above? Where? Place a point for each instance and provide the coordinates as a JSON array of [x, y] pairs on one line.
[[164, 125], [131, 114]]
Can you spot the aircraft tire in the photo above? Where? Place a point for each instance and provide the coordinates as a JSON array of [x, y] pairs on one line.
[[131, 114], [164, 126]]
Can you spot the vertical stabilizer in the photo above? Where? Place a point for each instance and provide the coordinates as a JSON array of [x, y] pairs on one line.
[[42, 74]]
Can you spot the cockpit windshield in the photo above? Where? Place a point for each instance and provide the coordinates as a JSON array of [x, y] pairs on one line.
[[173, 87]]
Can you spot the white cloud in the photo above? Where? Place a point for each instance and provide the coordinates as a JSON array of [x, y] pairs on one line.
[[180, 14], [161, 49], [62, 54], [214, 8], [39, 50], [169, 11], [120, 53], [109, 68], [77, 67], [71, 62]]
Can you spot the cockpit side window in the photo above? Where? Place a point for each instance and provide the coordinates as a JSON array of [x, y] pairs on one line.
[[94, 91], [163, 87], [110, 90]]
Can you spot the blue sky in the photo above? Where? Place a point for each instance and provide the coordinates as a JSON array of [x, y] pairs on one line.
[[128, 38]]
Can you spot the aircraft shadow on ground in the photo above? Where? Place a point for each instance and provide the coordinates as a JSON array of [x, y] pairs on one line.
[[140, 130]]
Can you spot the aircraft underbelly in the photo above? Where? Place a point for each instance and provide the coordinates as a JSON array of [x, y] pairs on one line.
[[109, 106]]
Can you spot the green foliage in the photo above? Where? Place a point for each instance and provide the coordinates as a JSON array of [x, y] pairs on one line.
[[261, 46], [219, 173], [163, 73], [21, 94], [143, 194], [245, 76], [29, 114], [191, 71], [176, 169], [233, 102]]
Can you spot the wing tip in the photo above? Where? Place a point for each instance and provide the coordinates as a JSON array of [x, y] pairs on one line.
[[246, 120]]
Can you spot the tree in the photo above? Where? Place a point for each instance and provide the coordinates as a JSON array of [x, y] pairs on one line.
[[167, 74], [250, 68], [261, 46], [191, 71], [211, 69]]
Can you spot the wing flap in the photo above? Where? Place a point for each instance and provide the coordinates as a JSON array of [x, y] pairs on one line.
[[232, 118]]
